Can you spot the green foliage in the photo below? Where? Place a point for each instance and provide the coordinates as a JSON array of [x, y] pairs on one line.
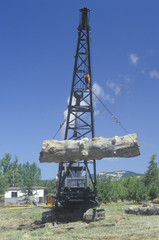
[[27, 194], [51, 186], [152, 173], [10, 170], [131, 188], [31, 174], [122, 191], [109, 190], [151, 178], [2, 183], [136, 190], [14, 174], [22, 175], [104, 189]]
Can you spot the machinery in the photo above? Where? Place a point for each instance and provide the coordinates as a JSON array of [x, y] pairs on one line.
[[75, 178], [50, 200], [77, 187]]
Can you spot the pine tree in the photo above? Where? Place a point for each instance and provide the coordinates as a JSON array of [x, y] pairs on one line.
[[151, 178]]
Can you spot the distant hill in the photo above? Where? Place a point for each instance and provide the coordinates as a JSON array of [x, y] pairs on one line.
[[119, 174]]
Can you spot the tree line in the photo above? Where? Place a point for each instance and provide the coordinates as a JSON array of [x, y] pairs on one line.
[[13, 174], [26, 175], [131, 188], [109, 190]]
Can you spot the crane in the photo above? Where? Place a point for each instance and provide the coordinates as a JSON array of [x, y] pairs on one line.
[[77, 187]]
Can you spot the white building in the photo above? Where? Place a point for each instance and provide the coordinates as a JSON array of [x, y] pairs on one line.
[[15, 195]]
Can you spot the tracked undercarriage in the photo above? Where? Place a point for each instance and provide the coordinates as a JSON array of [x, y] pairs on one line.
[[75, 204], [65, 215]]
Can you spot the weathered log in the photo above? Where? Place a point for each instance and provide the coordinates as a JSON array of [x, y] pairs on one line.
[[86, 149], [153, 210]]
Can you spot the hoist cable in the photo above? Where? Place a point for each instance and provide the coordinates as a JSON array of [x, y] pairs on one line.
[[107, 109], [112, 115], [61, 125]]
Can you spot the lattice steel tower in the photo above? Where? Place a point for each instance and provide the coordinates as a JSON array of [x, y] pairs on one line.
[[75, 177]]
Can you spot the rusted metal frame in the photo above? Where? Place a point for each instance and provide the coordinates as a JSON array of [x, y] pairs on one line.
[[75, 119], [60, 178], [83, 62], [77, 81], [73, 134], [83, 45], [82, 135], [82, 53], [92, 112], [82, 170], [81, 119], [70, 172], [76, 116], [79, 77], [72, 120], [84, 36], [86, 102], [81, 114], [85, 124], [69, 110], [86, 57], [82, 128], [81, 38], [74, 74], [66, 173], [85, 162], [83, 99]]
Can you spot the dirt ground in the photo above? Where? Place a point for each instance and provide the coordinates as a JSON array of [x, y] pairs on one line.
[[26, 224], [16, 223], [19, 218]]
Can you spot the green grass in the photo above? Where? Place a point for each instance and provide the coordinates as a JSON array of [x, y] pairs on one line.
[[20, 224]]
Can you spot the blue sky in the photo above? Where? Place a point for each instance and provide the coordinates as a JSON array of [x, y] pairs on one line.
[[37, 46]]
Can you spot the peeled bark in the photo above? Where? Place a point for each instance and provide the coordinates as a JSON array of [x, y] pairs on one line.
[[87, 149]]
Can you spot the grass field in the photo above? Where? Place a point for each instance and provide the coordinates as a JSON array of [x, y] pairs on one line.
[[25, 224]]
